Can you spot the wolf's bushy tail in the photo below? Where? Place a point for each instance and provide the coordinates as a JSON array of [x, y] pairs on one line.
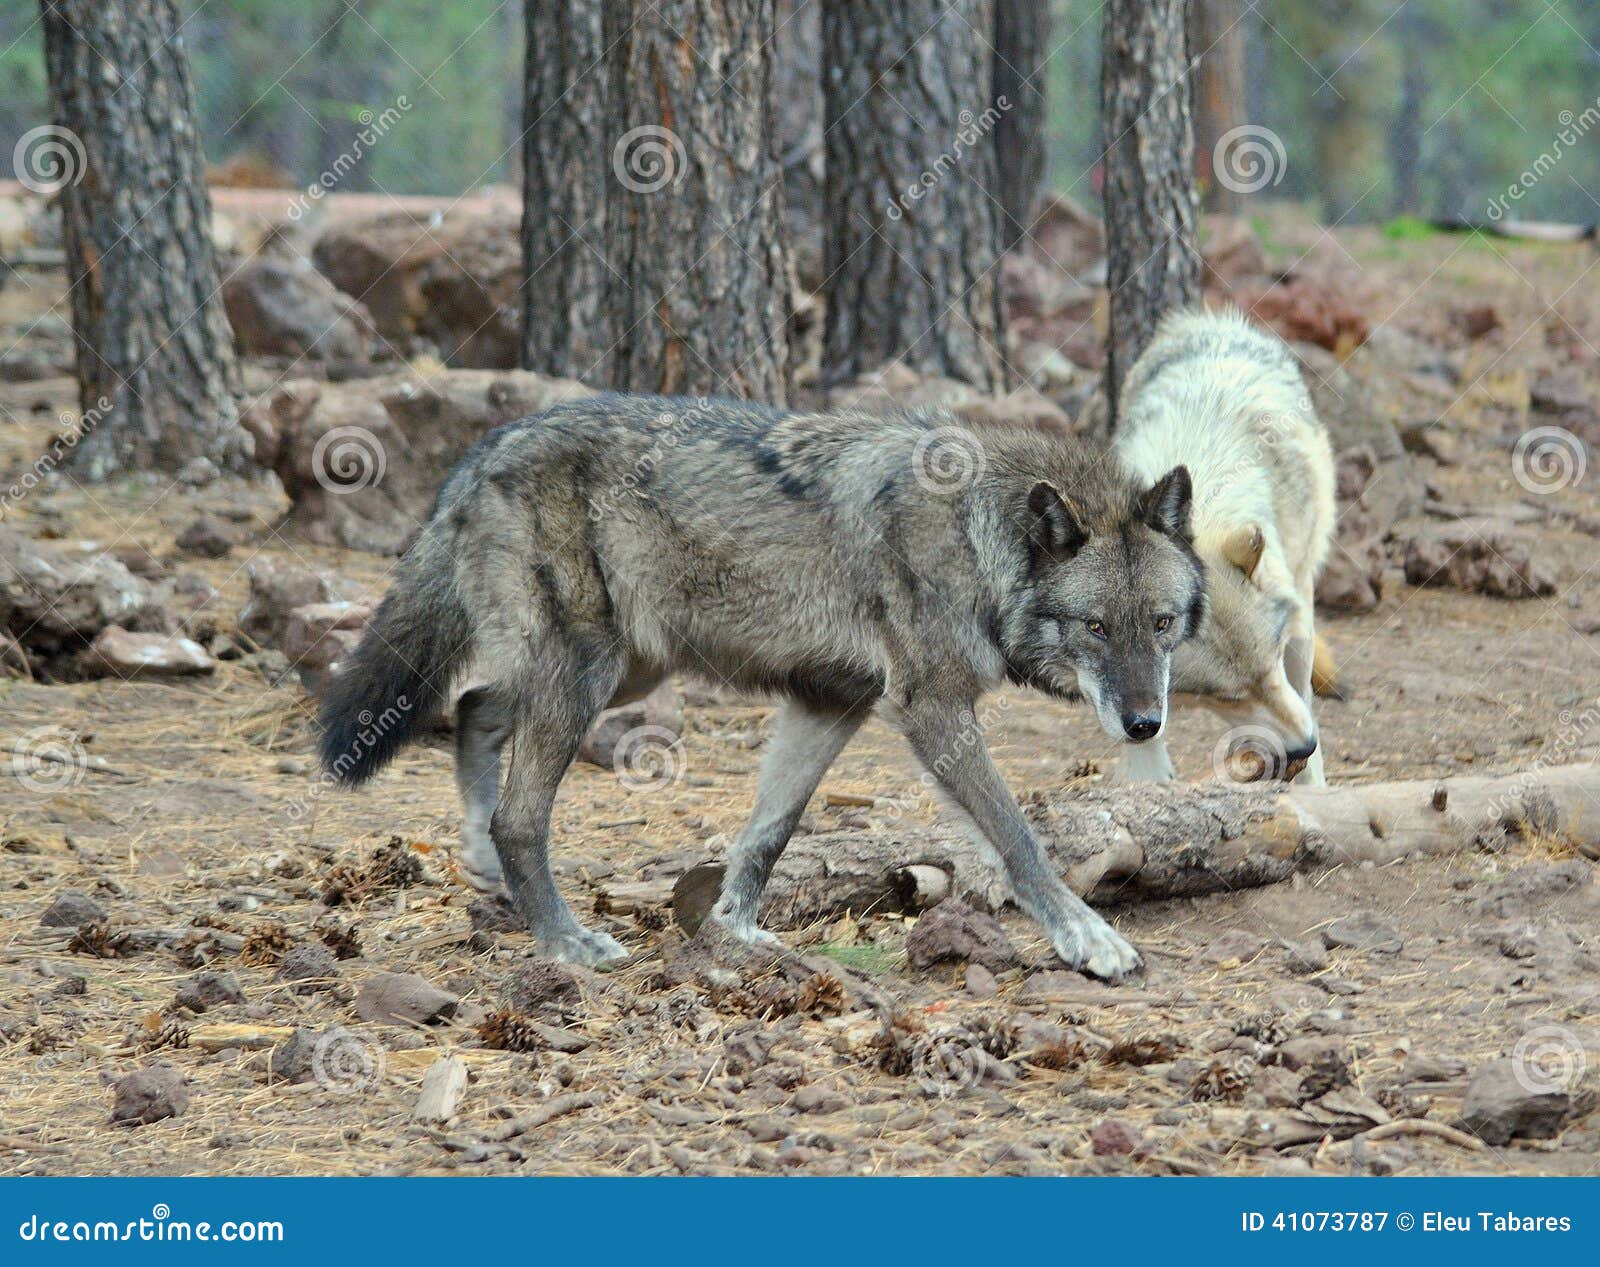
[[396, 679]]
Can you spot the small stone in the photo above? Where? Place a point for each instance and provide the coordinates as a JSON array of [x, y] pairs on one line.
[[1115, 1138], [207, 537], [206, 990], [71, 908], [980, 982], [1364, 931], [542, 986], [148, 1095], [1235, 944], [955, 931], [294, 1059], [404, 997], [116, 652], [199, 471], [1305, 957], [1509, 1099], [291, 765], [309, 967], [817, 1099]]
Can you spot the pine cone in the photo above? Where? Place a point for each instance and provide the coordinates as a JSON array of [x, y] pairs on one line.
[[505, 1030], [822, 995], [265, 945], [1222, 1080]]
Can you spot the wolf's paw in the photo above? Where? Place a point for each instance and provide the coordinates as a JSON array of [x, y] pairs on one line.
[[586, 948], [480, 866], [746, 930], [1098, 950]]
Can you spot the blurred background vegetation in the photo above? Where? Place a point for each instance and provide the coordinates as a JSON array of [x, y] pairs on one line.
[[1427, 107]]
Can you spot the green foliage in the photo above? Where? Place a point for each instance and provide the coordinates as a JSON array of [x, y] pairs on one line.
[[1408, 229]]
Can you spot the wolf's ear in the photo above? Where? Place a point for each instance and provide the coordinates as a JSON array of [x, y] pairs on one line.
[[1054, 525], [1243, 548], [1165, 505]]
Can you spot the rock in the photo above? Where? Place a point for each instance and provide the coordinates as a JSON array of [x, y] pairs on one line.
[[207, 537], [117, 652], [362, 460], [148, 1095], [1232, 253], [1311, 1052], [980, 982], [206, 990], [1477, 320], [1482, 556], [276, 590], [138, 560], [1304, 957], [199, 472], [538, 987], [308, 968], [818, 1099], [1236, 943], [286, 308], [1279, 1087], [1425, 439], [1351, 583], [294, 1060], [1069, 236], [53, 602], [1360, 401], [895, 386], [1112, 1137], [321, 634], [1505, 1100], [70, 909], [1364, 931], [1529, 890], [1303, 310], [404, 997], [955, 931], [661, 711]]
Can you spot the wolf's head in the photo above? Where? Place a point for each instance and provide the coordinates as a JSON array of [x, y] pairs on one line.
[[1110, 596], [1237, 659]]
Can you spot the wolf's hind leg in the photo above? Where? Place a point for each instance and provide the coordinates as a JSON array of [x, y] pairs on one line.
[[553, 711], [805, 740], [481, 729]]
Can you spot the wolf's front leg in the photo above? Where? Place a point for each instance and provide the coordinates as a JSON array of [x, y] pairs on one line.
[[949, 744], [805, 740]]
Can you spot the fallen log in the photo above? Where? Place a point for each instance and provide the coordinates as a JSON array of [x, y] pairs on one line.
[[1155, 841]]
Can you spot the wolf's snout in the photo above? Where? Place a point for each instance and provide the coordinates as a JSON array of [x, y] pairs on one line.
[[1302, 754], [1141, 726]]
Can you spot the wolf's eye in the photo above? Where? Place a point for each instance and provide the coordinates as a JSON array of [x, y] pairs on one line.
[[1096, 628], [1163, 623]]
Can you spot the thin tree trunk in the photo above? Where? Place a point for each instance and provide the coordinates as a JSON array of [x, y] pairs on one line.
[[1217, 41], [1151, 206], [156, 372], [912, 231], [696, 204], [565, 175], [1405, 132], [1021, 53]]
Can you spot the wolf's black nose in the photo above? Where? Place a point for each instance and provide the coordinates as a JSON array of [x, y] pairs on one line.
[[1141, 726], [1302, 754]]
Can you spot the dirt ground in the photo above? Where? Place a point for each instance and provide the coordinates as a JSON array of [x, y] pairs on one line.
[[210, 819]]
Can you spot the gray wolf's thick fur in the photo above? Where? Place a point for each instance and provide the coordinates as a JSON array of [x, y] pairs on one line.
[[837, 561], [1226, 398]]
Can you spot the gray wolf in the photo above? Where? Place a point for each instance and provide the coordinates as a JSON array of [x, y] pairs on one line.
[[1225, 398], [839, 562]]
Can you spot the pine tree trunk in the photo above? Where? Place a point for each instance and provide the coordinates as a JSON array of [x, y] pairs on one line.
[[695, 213], [1218, 40], [1151, 206], [1021, 53], [912, 229], [566, 173], [156, 371]]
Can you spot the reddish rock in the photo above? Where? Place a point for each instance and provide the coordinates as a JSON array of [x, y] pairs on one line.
[[321, 634], [53, 600], [276, 590], [1478, 555], [1305, 311], [1068, 236], [286, 308], [118, 652], [1115, 1138], [149, 1095], [954, 931]]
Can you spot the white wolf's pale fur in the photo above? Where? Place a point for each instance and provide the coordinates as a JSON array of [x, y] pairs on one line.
[[1225, 398]]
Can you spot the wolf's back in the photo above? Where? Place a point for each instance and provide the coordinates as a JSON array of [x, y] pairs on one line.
[[397, 677]]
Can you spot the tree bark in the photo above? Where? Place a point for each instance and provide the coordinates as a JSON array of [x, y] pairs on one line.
[[1161, 841], [912, 232], [565, 176], [701, 304], [1217, 40], [1406, 131], [1151, 206], [1021, 55], [156, 372]]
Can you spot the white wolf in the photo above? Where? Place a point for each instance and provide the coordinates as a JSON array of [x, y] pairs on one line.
[[1224, 398]]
